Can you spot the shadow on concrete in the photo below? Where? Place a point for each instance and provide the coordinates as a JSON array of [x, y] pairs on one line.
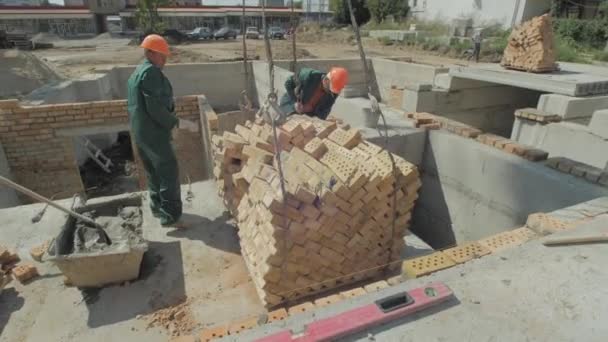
[[10, 302], [364, 335], [218, 233], [161, 284], [431, 220]]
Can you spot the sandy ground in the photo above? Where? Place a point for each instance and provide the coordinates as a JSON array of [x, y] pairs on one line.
[[78, 57], [201, 265]]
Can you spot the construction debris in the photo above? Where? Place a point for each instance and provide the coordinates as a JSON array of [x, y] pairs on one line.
[[24, 272], [177, 319], [37, 252], [531, 47], [336, 222]]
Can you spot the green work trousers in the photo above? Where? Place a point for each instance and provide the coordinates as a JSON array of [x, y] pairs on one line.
[[162, 175]]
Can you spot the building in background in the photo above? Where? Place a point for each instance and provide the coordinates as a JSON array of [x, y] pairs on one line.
[[74, 3], [20, 2], [507, 13], [273, 3]]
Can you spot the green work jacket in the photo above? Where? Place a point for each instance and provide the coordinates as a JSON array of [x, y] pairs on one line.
[[310, 81], [150, 105]]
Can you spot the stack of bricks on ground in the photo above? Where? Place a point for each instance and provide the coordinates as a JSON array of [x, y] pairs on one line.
[[337, 223], [39, 141], [530, 47], [22, 271], [430, 121]]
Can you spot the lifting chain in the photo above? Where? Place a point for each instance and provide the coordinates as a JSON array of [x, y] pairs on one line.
[[244, 102], [375, 109]]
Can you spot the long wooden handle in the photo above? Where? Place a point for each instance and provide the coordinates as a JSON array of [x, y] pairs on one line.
[[41, 198], [576, 239]]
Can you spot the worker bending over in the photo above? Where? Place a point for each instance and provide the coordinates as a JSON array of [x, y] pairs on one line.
[[316, 93], [152, 117]]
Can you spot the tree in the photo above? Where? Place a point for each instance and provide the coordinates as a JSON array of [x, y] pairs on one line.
[[147, 16], [342, 15], [380, 9]]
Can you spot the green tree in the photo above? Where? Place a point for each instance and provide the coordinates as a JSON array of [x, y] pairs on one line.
[[147, 16], [342, 15], [380, 9]]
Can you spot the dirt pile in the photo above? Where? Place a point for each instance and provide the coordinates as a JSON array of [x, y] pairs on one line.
[[531, 47], [313, 33], [177, 320], [187, 56]]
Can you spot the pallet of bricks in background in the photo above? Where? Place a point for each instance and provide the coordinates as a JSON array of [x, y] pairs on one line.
[[335, 224], [530, 47]]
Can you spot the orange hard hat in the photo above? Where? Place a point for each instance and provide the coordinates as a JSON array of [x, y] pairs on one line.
[[156, 43], [338, 78]]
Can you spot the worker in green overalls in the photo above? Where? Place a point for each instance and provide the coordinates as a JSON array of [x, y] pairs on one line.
[[316, 94], [152, 117]]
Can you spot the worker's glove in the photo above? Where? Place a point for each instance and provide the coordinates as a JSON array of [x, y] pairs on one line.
[[191, 126], [299, 107]]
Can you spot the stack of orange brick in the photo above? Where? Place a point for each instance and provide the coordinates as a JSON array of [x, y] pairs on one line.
[[335, 223], [431, 121], [513, 147], [531, 47]]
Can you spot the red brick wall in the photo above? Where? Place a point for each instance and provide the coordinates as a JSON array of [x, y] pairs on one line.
[[43, 161]]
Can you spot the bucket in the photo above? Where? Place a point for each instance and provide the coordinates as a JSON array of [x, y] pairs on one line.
[[370, 118]]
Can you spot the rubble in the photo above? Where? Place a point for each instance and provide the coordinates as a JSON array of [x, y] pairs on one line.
[[531, 47], [335, 224], [176, 319]]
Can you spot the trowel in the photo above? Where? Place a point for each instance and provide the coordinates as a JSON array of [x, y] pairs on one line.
[[103, 236]]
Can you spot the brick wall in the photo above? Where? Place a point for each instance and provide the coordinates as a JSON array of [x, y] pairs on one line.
[[43, 160]]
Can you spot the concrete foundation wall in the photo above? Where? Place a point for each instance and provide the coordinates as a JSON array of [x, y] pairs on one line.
[[569, 107], [489, 108], [563, 139], [470, 190], [8, 196], [390, 73]]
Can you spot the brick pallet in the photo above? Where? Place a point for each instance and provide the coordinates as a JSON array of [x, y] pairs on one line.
[[531, 47], [334, 225]]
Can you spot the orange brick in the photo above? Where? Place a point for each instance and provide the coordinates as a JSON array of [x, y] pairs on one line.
[[377, 286], [213, 334], [321, 302], [277, 315], [243, 325], [353, 293], [24, 272], [38, 251], [304, 307]]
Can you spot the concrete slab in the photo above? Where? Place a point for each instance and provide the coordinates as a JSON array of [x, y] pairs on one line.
[[570, 108], [567, 81], [503, 297], [563, 139], [599, 123], [202, 264]]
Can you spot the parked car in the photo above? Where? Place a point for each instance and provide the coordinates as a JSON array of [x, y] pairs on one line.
[[252, 33], [174, 36], [200, 33], [276, 32], [224, 33]]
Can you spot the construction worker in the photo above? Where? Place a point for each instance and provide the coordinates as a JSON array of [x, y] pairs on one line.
[[152, 117], [477, 39], [316, 93]]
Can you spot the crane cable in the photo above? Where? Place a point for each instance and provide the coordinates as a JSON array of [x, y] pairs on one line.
[[244, 102], [294, 65], [375, 109]]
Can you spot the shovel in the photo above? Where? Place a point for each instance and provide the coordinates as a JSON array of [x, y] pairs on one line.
[[103, 236]]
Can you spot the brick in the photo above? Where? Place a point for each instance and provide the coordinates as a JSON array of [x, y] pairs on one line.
[[328, 300], [243, 325], [544, 224], [359, 291], [427, 264], [213, 334], [506, 240], [465, 252], [38, 251], [24, 272], [376, 286], [277, 315], [304, 307], [8, 257]]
